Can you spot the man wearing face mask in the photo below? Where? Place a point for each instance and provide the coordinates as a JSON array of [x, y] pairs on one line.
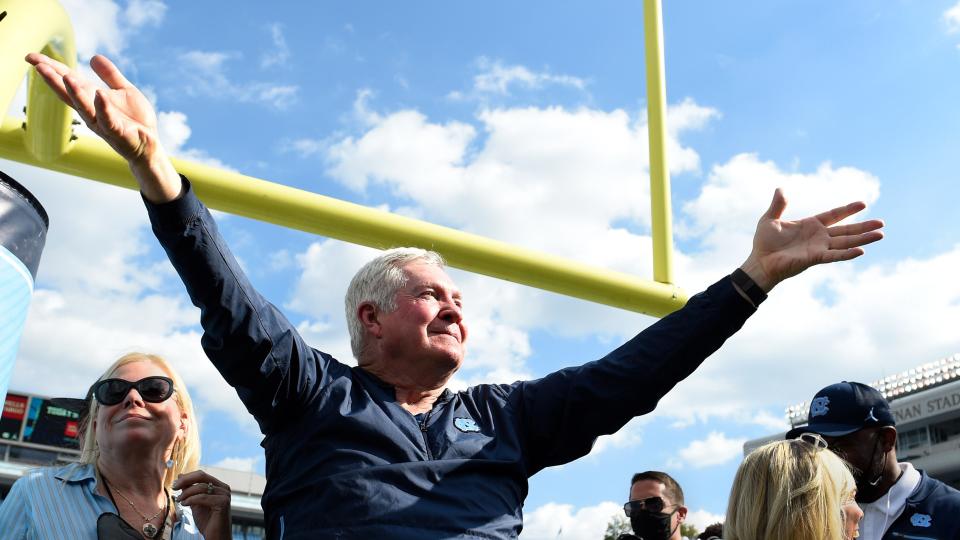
[[655, 508], [898, 501]]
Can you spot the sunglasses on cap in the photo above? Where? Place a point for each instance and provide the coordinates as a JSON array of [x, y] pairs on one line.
[[814, 439], [650, 504], [154, 389]]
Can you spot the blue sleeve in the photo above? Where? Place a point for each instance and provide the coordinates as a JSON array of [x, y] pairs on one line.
[[15, 514], [563, 413], [256, 349]]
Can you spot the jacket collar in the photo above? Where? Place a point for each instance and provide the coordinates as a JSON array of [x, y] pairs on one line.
[[75, 473], [387, 392], [923, 489]]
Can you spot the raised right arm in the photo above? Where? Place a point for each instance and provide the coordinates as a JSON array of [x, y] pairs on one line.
[[252, 344], [256, 349]]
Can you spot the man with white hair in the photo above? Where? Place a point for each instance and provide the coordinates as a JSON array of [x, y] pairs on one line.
[[385, 450]]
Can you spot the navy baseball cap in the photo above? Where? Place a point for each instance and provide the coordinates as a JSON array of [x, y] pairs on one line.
[[845, 407]]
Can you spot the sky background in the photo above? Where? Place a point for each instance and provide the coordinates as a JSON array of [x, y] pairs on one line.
[[525, 121]]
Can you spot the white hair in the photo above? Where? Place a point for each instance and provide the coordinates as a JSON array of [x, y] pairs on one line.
[[377, 282]]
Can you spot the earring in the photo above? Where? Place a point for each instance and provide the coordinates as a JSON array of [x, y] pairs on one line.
[[173, 452]]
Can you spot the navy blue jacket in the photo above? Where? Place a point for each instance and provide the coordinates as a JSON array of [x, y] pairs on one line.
[[932, 512], [344, 460]]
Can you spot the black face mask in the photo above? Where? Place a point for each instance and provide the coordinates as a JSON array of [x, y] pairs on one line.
[[652, 526], [868, 480]]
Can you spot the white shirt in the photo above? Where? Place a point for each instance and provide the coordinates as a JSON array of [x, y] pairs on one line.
[[879, 515]]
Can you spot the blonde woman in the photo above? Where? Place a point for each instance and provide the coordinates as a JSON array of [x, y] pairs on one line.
[[139, 439], [793, 490]]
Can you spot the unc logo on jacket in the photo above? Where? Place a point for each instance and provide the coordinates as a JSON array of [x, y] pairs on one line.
[[466, 425], [920, 520], [932, 513], [463, 428]]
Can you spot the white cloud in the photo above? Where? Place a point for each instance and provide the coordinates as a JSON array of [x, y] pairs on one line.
[[207, 60], [716, 449], [361, 115], [772, 422], [860, 333], [140, 13], [688, 116], [280, 53], [80, 227], [100, 26], [570, 183], [701, 518], [280, 97], [580, 170], [96, 27], [952, 18], [97, 297], [327, 268], [306, 147], [435, 153], [280, 260], [497, 78], [555, 520], [737, 192], [334, 262], [174, 131], [628, 436], [242, 464], [205, 73]]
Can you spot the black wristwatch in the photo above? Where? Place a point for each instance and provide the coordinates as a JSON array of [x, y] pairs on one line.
[[748, 286]]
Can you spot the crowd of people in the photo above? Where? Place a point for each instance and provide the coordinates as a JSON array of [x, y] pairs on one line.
[[384, 449]]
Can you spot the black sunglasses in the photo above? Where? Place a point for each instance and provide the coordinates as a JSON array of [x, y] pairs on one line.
[[153, 389], [650, 504]]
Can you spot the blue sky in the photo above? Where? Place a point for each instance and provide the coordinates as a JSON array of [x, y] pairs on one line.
[[525, 122]]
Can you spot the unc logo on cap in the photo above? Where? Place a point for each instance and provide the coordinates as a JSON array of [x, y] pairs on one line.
[[466, 425], [818, 407], [920, 520]]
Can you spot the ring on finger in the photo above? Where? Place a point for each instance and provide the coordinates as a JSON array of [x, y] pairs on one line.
[[209, 488]]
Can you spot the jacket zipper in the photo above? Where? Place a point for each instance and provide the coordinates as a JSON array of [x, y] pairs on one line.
[[423, 430]]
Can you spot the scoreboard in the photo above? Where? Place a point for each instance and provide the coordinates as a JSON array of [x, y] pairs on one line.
[[34, 419], [14, 411]]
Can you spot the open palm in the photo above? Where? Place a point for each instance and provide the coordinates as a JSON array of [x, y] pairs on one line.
[[121, 115], [782, 249]]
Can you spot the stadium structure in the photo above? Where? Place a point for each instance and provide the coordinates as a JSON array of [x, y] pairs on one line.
[[35, 432], [925, 402]]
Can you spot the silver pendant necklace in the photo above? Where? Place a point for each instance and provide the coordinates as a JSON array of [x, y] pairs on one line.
[[149, 529]]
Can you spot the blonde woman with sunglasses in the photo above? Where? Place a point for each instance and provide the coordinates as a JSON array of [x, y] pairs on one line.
[[139, 442], [793, 490]]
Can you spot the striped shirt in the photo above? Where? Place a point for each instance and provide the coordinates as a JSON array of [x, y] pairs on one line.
[[61, 503]]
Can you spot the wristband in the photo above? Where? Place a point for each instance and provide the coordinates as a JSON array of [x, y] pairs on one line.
[[748, 287]]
